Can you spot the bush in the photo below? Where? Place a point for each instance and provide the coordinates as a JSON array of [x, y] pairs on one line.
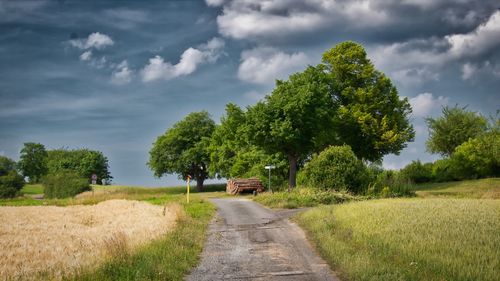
[[444, 170], [417, 172], [478, 158], [337, 168], [302, 197], [64, 184], [10, 184], [391, 184]]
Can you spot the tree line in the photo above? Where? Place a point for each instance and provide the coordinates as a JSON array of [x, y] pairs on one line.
[[343, 100]]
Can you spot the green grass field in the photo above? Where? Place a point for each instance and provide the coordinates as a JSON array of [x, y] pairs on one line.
[[480, 189], [409, 239], [32, 189], [302, 197]]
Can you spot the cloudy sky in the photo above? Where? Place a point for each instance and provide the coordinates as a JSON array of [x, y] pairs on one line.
[[114, 75]]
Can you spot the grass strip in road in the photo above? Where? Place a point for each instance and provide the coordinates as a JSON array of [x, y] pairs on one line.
[[302, 197], [408, 239], [167, 258]]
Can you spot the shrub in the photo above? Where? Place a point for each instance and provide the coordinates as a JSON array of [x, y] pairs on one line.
[[444, 170], [64, 184], [336, 167], [303, 197], [10, 184], [479, 157], [417, 172], [391, 184]]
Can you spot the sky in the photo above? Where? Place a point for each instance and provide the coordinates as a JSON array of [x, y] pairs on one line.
[[114, 75]]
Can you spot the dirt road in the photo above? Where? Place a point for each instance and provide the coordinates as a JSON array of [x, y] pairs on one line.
[[249, 242]]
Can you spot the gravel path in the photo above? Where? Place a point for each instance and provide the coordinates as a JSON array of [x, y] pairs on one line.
[[249, 242]]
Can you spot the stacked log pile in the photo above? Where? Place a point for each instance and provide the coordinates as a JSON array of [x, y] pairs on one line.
[[236, 186]]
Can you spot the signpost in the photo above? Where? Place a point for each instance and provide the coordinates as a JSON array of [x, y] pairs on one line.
[[94, 179], [270, 167], [188, 179]]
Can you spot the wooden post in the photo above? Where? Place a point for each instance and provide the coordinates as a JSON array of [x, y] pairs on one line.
[[188, 179]]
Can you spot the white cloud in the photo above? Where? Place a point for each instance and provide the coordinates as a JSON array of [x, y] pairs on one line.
[[425, 104], [95, 40], [246, 19], [468, 70], [86, 56], [122, 75], [158, 68], [215, 3], [264, 65], [484, 38]]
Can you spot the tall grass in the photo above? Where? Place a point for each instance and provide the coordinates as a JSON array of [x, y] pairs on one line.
[[480, 189], [409, 239], [302, 197]]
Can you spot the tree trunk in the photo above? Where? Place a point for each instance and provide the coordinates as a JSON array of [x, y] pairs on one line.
[[292, 175], [199, 184]]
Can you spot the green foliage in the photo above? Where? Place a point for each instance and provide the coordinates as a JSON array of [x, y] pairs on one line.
[[337, 168], [83, 162], [478, 157], [370, 116], [33, 162], [456, 126], [444, 170], [417, 172], [6, 165], [391, 184], [64, 184], [10, 184], [302, 197], [294, 119], [183, 149]]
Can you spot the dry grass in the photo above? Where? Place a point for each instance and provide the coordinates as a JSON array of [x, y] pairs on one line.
[[54, 241]]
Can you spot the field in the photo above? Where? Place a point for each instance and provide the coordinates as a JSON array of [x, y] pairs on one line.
[[168, 255], [61, 239], [480, 189], [409, 239]]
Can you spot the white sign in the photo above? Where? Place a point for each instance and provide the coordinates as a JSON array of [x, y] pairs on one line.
[[269, 167]]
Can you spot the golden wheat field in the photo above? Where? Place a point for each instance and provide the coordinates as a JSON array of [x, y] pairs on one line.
[[54, 241]]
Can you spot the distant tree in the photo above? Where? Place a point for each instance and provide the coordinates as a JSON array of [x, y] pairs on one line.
[[6, 165], [453, 128], [370, 116], [33, 161], [294, 119], [183, 149], [83, 162]]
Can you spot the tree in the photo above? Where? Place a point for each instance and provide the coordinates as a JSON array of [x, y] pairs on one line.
[[6, 165], [33, 162], [370, 116], [452, 129], [232, 156], [294, 119], [83, 162], [183, 149]]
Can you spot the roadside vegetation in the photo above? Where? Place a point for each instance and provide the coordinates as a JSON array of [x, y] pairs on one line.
[[408, 239], [479, 189]]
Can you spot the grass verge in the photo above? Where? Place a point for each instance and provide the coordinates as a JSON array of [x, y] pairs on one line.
[[302, 197], [32, 189], [480, 189], [167, 258], [408, 239]]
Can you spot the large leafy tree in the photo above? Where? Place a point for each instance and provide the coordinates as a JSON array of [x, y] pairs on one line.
[[293, 120], [233, 156], [453, 128], [33, 162], [370, 117], [183, 149], [83, 162], [6, 165]]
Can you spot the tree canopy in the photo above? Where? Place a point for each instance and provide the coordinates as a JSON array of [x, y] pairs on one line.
[[370, 115], [293, 120], [6, 165], [83, 162], [182, 149], [33, 162]]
